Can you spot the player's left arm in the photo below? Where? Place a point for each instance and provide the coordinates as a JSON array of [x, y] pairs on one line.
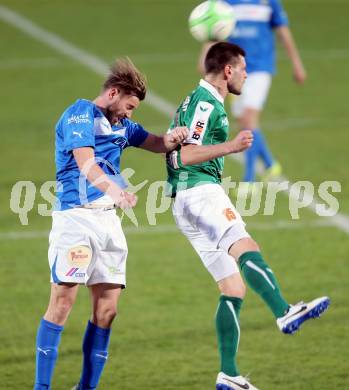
[[166, 142], [285, 35]]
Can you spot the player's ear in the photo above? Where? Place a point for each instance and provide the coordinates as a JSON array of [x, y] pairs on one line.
[[228, 69], [113, 91]]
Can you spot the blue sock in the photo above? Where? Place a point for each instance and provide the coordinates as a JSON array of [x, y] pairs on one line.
[[251, 156], [47, 341], [95, 350], [264, 152]]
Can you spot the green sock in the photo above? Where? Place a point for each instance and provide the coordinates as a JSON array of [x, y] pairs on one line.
[[262, 280], [228, 333]]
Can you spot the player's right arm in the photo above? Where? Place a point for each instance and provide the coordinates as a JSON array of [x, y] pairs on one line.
[[192, 154], [85, 159]]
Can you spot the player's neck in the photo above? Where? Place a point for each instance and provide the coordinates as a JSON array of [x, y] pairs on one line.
[[100, 103], [218, 83]]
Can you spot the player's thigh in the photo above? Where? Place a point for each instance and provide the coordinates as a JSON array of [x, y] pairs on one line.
[[211, 211], [242, 246], [218, 263], [71, 246], [64, 291], [254, 94], [109, 262]]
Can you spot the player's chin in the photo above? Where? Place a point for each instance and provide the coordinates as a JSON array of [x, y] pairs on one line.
[[235, 91]]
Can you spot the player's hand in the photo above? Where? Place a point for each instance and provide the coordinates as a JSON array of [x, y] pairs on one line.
[[299, 74], [126, 200], [178, 135], [242, 141]]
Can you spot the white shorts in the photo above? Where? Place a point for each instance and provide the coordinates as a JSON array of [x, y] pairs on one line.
[[205, 215], [254, 93], [87, 246]]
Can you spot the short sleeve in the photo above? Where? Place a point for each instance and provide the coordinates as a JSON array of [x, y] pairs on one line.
[[279, 16], [199, 122], [78, 126], [135, 133]]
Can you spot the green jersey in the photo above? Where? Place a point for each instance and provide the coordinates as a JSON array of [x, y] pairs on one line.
[[204, 114]]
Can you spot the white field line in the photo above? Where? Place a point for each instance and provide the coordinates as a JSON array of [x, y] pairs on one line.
[[165, 229], [95, 64], [83, 57]]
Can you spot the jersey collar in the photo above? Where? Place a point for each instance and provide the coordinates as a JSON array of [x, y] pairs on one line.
[[210, 88]]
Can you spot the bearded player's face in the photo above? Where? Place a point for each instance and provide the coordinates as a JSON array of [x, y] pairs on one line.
[[122, 106], [237, 76]]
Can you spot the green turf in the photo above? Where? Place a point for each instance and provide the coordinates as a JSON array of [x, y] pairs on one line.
[[164, 336]]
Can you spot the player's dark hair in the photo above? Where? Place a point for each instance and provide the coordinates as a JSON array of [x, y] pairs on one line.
[[126, 77], [221, 54]]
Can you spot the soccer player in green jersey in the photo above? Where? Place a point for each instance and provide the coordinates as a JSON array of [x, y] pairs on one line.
[[206, 216]]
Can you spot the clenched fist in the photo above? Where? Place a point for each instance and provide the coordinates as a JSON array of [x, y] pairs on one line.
[[126, 200], [242, 141], [177, 135]]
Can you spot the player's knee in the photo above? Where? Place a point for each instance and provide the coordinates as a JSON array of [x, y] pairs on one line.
[[59, 309], [242, 246], [64, 305], [233, 286], [235, 291], [104, 316]]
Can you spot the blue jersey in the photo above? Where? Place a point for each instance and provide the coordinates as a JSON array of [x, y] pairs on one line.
[[256, 20], [83, 124]]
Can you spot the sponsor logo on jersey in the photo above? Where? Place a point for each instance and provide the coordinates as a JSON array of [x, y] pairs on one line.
[[115, 271], [74, 272], [253, 12], [121, 141], [80, 256], [82, 118], [225, 122], [78, 133], [229, 214], [199, 128], [245, 32]]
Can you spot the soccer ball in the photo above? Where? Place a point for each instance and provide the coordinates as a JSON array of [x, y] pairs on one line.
[[212, 20]]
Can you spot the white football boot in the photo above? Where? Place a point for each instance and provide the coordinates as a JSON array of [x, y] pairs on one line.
[[226, 382], [301, 312]]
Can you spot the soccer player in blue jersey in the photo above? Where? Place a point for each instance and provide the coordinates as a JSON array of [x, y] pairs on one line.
[[87, 244], [257, 20]]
